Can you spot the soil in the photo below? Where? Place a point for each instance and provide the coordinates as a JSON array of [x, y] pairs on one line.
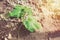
[[11, 30]]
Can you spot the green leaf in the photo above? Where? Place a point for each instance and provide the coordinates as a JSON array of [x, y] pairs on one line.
[[28, 10], [31, 24], [19, 11], [16, 12]]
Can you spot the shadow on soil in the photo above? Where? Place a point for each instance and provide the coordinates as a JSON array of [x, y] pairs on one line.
[[55, 34], [22, 31]]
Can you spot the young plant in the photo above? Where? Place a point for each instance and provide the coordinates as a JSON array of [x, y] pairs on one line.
[[25, 14]]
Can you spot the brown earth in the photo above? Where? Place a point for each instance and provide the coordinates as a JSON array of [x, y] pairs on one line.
[[17, 30]]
